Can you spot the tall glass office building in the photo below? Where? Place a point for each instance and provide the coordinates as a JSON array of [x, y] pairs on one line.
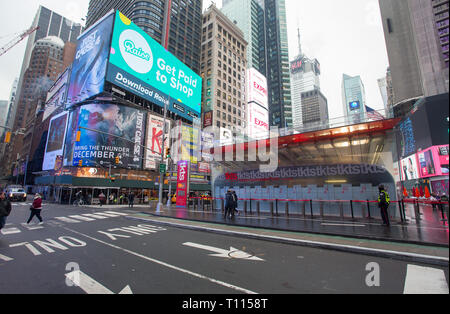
[[353, 99], [265, 29]]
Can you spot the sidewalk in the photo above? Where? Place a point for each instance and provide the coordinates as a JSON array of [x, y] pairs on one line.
[[423, 233]]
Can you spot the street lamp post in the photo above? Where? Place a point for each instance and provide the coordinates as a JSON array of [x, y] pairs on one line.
[[161, 179]]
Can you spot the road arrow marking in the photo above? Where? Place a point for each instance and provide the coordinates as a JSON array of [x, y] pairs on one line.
[[425, 280], [232, 253], [90, 286]]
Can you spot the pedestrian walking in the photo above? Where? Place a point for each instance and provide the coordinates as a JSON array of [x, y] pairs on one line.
[[5, 209], [36, 209], [131, 200], [383, 203], [235, 204], [229, 203], [102, 199]]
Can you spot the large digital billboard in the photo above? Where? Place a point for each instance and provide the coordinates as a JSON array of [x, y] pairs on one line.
[[258, 122], [154, 140], [119, 132], [91, 60], [140, 65], [56, 96], [434, 161], [55, 140]]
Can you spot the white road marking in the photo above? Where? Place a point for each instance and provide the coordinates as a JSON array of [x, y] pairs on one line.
[[31, 227], [6, 258], [94, 216], [425, 280], [232, 253], [10, 231], [65, 219], [219, 282], [80, 217]]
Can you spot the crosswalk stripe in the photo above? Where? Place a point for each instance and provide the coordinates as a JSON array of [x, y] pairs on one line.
[[65, 219], [31, 227], [80, 217], [10, 231], [425, 280], [94, 216]]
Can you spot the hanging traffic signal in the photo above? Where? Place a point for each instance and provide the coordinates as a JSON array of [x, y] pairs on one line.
[[168, 153], [117, 160], [8, 137], [80, 163]]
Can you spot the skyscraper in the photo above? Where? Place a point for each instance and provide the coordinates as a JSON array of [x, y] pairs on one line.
[[224, 71], [181, 29], [249, 17], [274, 62], [353, 99], [305, 76], [417, 41]]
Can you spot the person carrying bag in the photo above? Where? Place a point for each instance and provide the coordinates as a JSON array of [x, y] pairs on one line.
[[5, 209]]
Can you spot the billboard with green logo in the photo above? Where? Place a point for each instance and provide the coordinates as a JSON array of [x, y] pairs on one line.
[[143, 67]]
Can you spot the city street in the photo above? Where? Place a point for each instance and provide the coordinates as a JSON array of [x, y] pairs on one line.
[[87, 251]]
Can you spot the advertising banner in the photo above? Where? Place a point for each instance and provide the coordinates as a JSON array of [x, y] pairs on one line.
[[183, 183], [258, 122], [208, 119], [154, 138], [55, 140], [119, 127], [433, 161], [56, 96], [257, 88], [91, 60], [143, 67], [426, 163], [409, 169]]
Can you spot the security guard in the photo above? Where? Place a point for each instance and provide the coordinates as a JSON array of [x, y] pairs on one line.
[[383, 203]]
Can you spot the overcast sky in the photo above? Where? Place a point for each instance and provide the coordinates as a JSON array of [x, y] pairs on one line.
[[346, 36]]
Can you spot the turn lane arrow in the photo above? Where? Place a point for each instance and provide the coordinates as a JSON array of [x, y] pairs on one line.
[[231, 253]]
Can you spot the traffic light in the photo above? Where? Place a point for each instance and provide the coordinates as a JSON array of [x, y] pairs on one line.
[[8, 137], [112, 179], [80, 163], [168, 153], [117, 160], [78, 139]]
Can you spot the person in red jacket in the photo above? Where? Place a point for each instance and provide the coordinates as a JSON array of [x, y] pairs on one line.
[[36, 209]]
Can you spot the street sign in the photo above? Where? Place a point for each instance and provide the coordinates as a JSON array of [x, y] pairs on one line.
[[162, 168]]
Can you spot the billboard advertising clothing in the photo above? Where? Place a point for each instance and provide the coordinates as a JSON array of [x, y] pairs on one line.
[[113, 121], [154, 139], [257, 88], [434, 161], [258, 122], [55, 140], [140, 65], [91, 60]]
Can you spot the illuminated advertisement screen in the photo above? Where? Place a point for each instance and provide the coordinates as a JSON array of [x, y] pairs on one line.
[[258, 125], [426, 163], [55, 140], [354, 105], [90, 63], [434, 161], [155, 127], [117, 131], [143, 67], [409, 169]]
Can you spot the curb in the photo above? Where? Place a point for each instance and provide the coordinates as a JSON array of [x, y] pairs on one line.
[[403, 256]]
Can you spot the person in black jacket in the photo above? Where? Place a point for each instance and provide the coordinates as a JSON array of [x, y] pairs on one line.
[[5, 209], [229, 203]]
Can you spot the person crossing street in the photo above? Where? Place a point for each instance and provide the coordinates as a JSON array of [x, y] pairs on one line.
[[36, 209], [5, 209]]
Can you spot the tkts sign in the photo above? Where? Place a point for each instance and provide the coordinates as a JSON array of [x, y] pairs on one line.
[[183, 183]]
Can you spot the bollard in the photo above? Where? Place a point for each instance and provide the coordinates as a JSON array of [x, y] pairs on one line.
[[351, 208], [287, 209], [363, 211], [403, 210], [258, 207], [417, 210], [368, 208], [341, 209], [250, 206], [203, 204], [222, 204], [304, 209], [276, 202], [400, 209], [310, 203]]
